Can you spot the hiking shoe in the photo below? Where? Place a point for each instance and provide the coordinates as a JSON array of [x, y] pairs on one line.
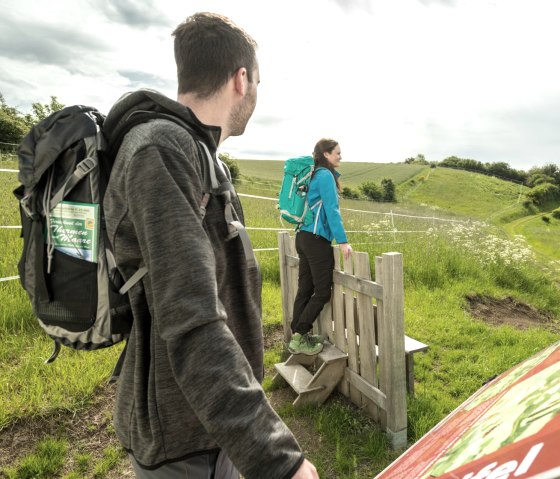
[[303, 344], [317, 338]]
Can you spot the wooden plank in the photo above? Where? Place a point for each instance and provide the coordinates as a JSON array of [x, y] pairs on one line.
[[302, 359], [412, 345], [283, 239], [324, 325], [292, 260], [293, 273], [331, 354], [373, 394], [338, 317], [311, 396], [295, 375], [366, 329], [380, 324], [328, 376], [365, 286], [351, 339], [391, 341]]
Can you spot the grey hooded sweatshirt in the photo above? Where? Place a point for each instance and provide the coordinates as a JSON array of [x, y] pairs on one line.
[[190, 381]]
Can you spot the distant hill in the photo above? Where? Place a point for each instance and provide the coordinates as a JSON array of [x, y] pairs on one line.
[[471, 194], [353, 174], [450, 191]]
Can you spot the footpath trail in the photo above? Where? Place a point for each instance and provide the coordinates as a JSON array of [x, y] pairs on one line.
[[549, 263]]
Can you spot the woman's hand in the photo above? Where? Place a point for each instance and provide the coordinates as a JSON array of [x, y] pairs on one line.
[[346, 250]]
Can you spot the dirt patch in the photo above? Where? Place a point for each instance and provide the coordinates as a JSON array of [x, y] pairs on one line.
[[508, 311], [88, 431], [273, 336]]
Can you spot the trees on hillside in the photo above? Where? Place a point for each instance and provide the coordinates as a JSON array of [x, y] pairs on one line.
[[40, 111], [419, 159], [371, 191], [545, 184], [499, 169], [544, 174], [231, 164], [374, 192], [543, 193], [389, 191], [14, 124]]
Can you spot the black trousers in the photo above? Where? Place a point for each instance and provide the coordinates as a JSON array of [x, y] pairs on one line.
[[206, 466], [316, 266]]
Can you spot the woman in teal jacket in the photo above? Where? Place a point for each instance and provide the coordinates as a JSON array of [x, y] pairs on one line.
[[313, 244]]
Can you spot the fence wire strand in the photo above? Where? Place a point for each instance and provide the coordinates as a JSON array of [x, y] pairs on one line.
[[391, 214]]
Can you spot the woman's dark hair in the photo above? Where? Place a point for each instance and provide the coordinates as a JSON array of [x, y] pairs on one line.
[[325, 145], [209, 49]]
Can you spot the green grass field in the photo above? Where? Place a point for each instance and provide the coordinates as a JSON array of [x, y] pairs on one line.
[[353, 174], [444, 263], [462, 192]]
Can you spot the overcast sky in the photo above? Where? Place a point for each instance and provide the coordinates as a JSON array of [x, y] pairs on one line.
[[388, 79]]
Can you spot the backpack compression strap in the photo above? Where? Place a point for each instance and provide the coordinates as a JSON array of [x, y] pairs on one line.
[[235, 227], [83, 168]]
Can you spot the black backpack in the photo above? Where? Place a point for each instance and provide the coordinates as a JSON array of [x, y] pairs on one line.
[[67, 267]]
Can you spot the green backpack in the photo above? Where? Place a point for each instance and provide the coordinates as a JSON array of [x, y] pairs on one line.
[[292, 202]]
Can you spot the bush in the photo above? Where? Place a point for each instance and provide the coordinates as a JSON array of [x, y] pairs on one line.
[[546, 219], [350, 194], [556, 213], [231, 164], [544, 192], [371, 191], [388, 190]]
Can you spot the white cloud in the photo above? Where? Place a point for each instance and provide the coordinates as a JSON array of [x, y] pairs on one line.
[[389, 80]]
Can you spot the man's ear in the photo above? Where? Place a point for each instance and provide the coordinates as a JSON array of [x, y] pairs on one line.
[[240, 81]]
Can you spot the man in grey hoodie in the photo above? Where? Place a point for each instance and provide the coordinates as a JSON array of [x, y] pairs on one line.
[[189, 401]]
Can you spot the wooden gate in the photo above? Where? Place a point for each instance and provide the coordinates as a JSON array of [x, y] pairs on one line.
[[374, 377]]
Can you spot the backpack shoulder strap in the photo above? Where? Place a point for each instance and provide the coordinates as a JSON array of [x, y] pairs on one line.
[[142, 116]]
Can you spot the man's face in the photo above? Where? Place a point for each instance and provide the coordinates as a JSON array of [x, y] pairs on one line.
[[242, 113]]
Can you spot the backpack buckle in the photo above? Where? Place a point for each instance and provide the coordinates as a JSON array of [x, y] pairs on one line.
[[85, 166], [24, 202]]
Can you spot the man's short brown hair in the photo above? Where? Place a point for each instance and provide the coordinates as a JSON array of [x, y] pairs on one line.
[[209, 49]]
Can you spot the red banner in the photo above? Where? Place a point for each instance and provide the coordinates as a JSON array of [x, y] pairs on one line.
[[509, 429]]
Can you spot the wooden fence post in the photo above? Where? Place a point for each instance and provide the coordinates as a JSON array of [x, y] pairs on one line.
[[283, 249], [390, 324]]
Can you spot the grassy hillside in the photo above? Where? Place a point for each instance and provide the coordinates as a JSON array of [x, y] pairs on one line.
[[543, 236], [446, 264], [448, 191], [471, 194], [353, 174]]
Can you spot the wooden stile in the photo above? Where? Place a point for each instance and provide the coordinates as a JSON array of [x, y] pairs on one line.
[[370, 362]]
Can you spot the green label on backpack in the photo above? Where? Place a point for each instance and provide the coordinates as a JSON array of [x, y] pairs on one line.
[[74, 229]]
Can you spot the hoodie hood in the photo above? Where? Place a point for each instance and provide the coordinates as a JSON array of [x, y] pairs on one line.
[[151, 101]]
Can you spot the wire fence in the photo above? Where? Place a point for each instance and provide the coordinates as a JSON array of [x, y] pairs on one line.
[[390, 224]]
